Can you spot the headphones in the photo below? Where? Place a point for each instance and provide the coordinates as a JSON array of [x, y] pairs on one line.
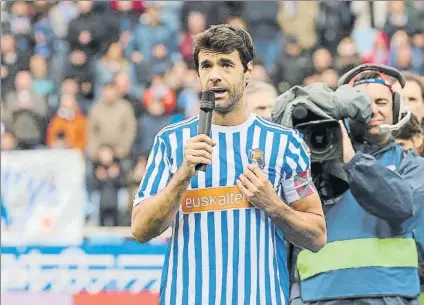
[[401, 113]]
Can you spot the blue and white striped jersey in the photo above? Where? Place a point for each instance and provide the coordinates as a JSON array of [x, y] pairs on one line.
[[223, 250]]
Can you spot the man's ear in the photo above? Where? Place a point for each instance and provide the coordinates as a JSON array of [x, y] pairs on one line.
[[248, 73]]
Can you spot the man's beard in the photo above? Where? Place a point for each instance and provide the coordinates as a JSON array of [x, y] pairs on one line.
[[234, 98], [361, 134]]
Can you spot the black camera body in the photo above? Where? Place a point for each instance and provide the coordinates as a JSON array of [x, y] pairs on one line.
[[323, 136]]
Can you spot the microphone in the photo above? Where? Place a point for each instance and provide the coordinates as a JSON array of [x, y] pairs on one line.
[[207, 106]]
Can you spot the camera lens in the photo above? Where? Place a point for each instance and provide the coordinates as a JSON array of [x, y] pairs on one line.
[[320, 140]]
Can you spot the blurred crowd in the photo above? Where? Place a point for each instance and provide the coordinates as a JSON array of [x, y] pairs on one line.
[[104, 77]]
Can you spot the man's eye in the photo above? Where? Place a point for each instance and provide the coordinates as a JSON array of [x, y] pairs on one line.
[[227, 65]]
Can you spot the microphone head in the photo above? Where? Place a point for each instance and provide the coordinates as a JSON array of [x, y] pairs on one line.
[[207, 102]]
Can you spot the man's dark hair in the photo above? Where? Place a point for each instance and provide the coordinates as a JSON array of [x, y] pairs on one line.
[[224, 38], [412, 77], [410, 129]]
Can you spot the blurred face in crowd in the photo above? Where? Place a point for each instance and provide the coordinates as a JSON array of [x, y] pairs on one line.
[[404, 57], [397, 7], [124, 6], [114, 52], [85, 6], [78, 58], [109, 93], [261, 101], [330, 78], [224, 74], [382, 111], [196, 22], [346, 47], [20, 9], [400, 38], [238, 22], [413, 143], [7, 43], [105, 155], [70, 86], [38, 66], [122, 83], [259, 73], [8, 141], [23, 81], [413, 97], [322, 59], [418, 40], [153, 14]]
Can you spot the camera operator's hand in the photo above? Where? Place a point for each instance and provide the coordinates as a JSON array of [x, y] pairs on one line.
[[348, 151]]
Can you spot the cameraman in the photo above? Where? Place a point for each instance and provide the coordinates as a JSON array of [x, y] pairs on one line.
[[370, 257]]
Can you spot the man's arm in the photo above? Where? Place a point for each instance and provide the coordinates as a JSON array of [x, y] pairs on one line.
[[154, 215], [156, 206], [302, 223], [395, 197]]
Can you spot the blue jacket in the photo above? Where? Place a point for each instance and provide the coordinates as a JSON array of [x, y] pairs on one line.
[[371, 251]]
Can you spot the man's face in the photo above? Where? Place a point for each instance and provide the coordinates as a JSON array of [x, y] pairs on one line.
[[413, 97], [382, 106], [261, 103], [224, 74], [414, 143]]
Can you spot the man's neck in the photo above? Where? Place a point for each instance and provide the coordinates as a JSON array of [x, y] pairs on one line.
[[237, 116]]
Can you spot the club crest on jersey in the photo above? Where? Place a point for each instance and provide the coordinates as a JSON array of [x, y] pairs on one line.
[[257, 157]]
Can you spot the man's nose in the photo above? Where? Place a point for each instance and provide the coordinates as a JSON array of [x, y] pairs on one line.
[[374, 108], [215, 75]]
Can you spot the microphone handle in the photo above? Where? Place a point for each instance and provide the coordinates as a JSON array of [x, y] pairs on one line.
[[205, 122]]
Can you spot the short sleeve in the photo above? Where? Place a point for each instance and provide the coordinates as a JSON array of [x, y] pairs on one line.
[[297, 181], [157, 174]]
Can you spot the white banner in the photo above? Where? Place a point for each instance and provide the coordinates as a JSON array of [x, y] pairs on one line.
[[42, 197]]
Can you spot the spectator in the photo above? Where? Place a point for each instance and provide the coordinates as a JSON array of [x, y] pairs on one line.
[[411, 135], [334, 22], [68, 126], [260, 98], [108, 179], [418, 51], [346, 58], [8, 141], [298, 19], [397, 19], [293, 66], [196, 24], [261, 20], [28, 112], [150, 33], [111, 122], [189, 97], [20, 23], [413, 95], [110, 64], [330, 78], [60, 16], [128, 13], [159, 102], [380, 53], [80, 66], [86, 32], [125, 92], [41, 83], [321, 60], [12, 61]]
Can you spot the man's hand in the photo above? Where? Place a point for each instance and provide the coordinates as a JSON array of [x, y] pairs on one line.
[[198, 150], [348, 151], [257, 189]]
